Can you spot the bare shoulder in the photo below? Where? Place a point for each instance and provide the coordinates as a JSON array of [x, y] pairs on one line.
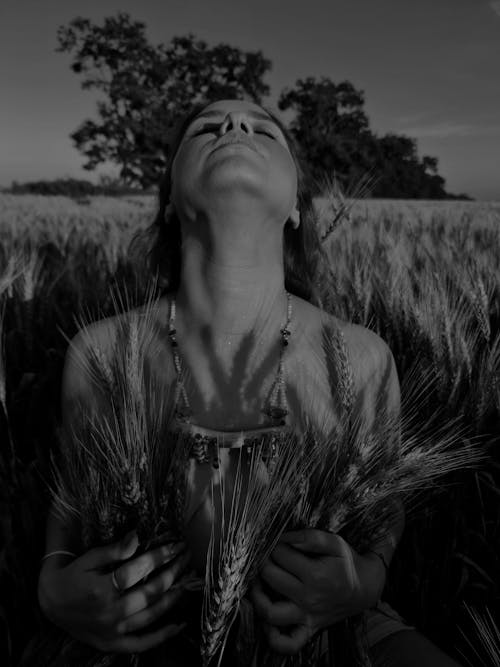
[[372, 362], [79, 389], [99, 336], [368, 352], [102, 333], [76, 385]]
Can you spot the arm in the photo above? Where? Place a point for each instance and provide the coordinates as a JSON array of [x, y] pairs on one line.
[[381, 391], [105, 596], [323, 577], [76, 394], [377, 559]]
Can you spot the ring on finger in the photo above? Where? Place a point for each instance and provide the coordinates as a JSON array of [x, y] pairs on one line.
[[114, 582]]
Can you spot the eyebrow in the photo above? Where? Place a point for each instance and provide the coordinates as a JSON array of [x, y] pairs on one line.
[[253, 114]]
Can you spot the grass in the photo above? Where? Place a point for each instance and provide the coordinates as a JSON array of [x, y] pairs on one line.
[[425, 276]]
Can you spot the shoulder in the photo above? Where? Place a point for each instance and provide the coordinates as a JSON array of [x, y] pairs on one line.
[[96, 339], [374, 372], [370, 354], [78, 388], [98, 335], [89, 351]]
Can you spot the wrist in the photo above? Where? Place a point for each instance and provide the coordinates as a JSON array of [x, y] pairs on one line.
[[374, 576], [43, 592], [48, 584]]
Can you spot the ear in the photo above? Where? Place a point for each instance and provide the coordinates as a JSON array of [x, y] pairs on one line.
[[169, 209], [295, 216]]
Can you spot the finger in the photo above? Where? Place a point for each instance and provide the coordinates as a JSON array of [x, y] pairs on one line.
[[292, 560], [143, 595], [281, 581], [315, 541], [102, 556], [289, 644], [135, 644], [280, 613], [147, 616], [133, 571]]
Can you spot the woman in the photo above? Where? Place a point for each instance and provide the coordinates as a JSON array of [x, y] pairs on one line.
[[237, 243]]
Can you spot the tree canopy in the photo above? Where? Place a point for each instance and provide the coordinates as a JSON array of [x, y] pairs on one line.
[[146, 88], [333, 130]]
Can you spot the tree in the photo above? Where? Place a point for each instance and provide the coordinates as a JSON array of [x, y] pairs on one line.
[[147, 87], [332, 128], [328, 123]]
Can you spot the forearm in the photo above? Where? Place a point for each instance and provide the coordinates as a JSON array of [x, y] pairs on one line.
[[58, 537], [386, 545], [374, 561], [61, 535]]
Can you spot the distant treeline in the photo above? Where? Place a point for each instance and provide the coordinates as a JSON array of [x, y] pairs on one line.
[[79, 188], [73, 187]]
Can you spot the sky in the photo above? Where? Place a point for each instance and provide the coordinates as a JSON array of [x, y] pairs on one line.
[[429, 69]]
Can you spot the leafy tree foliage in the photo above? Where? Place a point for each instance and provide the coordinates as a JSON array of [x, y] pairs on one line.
[[146, 87], [332, 128]]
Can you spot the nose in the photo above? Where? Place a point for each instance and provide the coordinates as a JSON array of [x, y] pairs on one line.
[[236, 120]]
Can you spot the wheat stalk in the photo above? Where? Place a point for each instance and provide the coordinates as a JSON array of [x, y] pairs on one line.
[[10, 275], [122, 444], [3, 397], [3, 382], [341, 206], [354, 485], [259, 513], [488, 634]]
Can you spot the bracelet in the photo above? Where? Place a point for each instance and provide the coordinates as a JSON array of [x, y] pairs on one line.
[[59, 551], [381, 556]]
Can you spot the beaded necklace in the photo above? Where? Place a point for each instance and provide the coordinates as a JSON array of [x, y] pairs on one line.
[[205, 441]]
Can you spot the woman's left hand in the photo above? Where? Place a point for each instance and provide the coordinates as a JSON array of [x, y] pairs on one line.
[[324, 581]]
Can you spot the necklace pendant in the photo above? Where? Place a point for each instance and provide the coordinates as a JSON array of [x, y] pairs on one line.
[[183, 415], [277, 413], [205, 449], [199, 449], [214, 454]]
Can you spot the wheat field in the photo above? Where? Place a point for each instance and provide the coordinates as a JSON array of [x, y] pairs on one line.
[[424, 275]]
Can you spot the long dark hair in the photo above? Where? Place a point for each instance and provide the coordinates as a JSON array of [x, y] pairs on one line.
[[303, 255]]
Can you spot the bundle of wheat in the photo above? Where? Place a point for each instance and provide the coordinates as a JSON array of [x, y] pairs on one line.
[[343, 479]]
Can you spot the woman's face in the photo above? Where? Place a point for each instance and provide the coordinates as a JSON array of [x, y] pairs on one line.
[[265, 170]]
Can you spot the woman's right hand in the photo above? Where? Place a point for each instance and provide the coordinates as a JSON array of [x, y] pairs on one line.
[[84, 601]]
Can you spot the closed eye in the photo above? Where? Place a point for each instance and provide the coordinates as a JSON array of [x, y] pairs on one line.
[[213, 128], [204, 129], [266, 133]]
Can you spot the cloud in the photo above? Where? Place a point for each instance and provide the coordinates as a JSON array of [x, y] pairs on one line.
[[495, 6], [413, 118], [449, 129]]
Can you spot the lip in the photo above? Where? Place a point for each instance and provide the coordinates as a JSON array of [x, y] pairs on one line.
[[235, 140]]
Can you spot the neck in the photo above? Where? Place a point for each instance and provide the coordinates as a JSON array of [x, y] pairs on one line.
[[220, 299]]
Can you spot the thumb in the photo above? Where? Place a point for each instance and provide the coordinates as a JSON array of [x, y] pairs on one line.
[[121, 550], [314, 541]]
